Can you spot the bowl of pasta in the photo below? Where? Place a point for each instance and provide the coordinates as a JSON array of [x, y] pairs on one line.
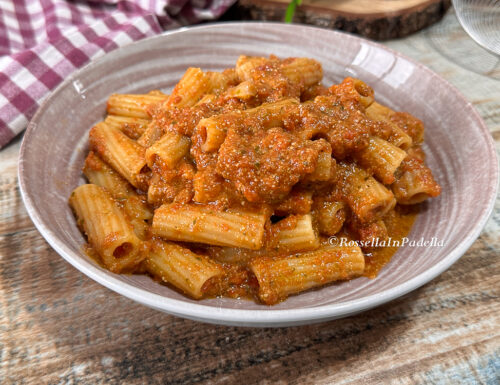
[[258, 174]]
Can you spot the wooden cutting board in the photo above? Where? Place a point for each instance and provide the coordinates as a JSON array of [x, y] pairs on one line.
[[375, 19]]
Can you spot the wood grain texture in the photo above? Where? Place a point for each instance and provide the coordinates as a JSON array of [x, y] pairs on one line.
[[59, 327], [375, 19]]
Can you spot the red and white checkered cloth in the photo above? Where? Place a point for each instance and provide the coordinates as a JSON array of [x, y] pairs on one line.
[[43, 41]]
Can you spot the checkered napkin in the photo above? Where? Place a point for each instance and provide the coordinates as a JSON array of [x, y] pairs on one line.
[[43, 41]]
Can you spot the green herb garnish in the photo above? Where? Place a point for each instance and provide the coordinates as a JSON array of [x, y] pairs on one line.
[[290, 10]]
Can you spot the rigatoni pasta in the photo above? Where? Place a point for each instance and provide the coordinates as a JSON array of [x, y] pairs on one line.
[[192, 273], [269, 115], [125, 155], [168, 150], [204, 224], [281, 276], [382, 158], [108, 230], [132, 127], [134, 204], [295, 233], [192, 86], [367, 198], [133, 106], [256, 181]]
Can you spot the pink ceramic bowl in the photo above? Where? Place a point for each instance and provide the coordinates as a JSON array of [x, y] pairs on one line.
[[459, 147]]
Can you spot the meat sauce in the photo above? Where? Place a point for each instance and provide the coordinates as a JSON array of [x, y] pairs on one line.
[[399, 223], [267, 166], [239, 282], [289, 162]]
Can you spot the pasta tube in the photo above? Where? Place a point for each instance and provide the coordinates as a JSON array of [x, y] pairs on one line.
[[192, 86], [365, 92], [153, 132], [415, 184], [132, 127], [108, 230], [304, 71], [122, 153], [279, 277], [168, 150], [382, 158], [214, 129], [100, 174], [244, 91], [330, 216], [300, 236], [194, 274], [355, 89], [366, 197], [246, 64], [204, 224], [324, 167], [134, 106], [221, 81], [383, 113]]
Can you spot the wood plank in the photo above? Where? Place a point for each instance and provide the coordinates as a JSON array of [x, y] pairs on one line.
[[12, 213], [375, 19]]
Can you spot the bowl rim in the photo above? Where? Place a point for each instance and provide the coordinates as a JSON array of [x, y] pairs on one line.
[[470, 30], [257, 317]]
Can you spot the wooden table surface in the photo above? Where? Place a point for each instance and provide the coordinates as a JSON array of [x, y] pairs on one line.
[[58, 326]]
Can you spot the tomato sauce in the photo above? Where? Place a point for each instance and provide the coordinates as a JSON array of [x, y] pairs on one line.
[[399, 223]]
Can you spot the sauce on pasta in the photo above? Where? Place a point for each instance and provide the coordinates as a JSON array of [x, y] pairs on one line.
[[399, 225], [236, 183]]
